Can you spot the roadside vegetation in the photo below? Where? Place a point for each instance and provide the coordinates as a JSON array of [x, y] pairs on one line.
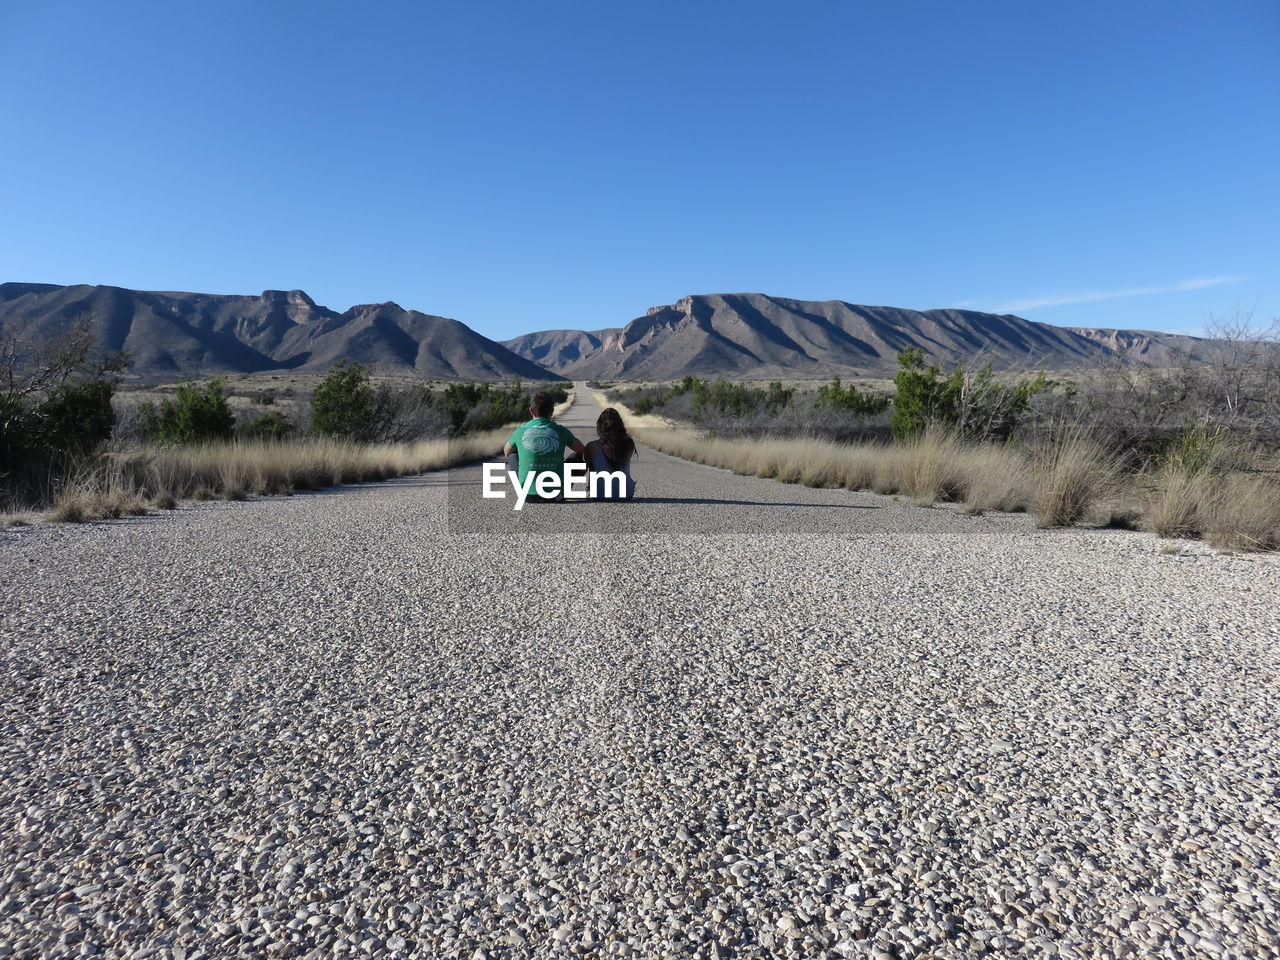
[[74, 448], [1191, 451]]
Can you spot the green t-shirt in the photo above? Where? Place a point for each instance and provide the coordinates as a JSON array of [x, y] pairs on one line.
[[541, 443]]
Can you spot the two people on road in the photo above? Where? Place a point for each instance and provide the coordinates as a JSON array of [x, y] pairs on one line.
[[539, 445]]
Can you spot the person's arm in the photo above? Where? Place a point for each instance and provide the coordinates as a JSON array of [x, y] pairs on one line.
[[509, 449], [572, 442]]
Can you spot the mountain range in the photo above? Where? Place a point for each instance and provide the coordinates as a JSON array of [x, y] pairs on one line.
[[178, 335], [743, 335], [754, 336]]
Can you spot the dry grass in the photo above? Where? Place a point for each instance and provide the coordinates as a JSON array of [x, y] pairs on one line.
[[1071, 475], [931, 469], [1180, 503], [133, 482], [1245, 515], [97, 495], [1231, 511], [997, 478], [1075, 480]]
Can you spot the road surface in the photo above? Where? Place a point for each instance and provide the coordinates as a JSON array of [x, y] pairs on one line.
[[731, 718]]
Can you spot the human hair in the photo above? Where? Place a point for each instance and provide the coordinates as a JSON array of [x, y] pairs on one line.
[[542, 405], [615, 442]]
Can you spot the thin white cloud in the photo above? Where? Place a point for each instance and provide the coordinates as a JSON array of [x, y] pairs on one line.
[[1197, 284]]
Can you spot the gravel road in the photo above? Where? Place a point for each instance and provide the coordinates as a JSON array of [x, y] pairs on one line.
[[733, 718]]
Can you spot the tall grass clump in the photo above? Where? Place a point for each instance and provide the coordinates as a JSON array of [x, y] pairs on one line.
[[1245, 515], [932, 467], [997, 476], [98, 494], [1070, 475], [1206, 486], [1181, 503]]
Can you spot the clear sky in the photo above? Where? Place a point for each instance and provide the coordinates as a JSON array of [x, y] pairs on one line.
[[524, 166]]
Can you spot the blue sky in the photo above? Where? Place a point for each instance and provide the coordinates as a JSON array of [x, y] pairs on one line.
[[524, 166]]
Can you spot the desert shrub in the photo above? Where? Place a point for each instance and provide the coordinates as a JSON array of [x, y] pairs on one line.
[[833, 412], [125, 484], [343, 402], [1201, 482], [77, 416], [996, 476], [347, 405], [1207, 485], [475, 407], [921, 396], [484, 406], [1230, 384], [848, 398], [55, 407], [705, 399], [970, 403], [195, 414]]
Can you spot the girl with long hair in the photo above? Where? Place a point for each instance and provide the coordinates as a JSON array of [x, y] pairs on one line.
[[612, 452]]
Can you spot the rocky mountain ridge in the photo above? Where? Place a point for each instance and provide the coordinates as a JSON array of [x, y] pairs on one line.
[[173, 335], [170, 335], [754, 335]]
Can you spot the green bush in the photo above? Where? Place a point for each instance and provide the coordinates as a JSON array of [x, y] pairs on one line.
[[485, 406], [969, 403], [343, 404], [719, 396], [735, 409], [55, 406], [61, 428], [848, 398], [194, 415], [77, 416], [921, 397]]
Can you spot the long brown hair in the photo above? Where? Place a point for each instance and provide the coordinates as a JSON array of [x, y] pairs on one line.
[[615, 442]]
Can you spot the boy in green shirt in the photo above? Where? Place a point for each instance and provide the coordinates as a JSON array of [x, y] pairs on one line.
[[540, 443]]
